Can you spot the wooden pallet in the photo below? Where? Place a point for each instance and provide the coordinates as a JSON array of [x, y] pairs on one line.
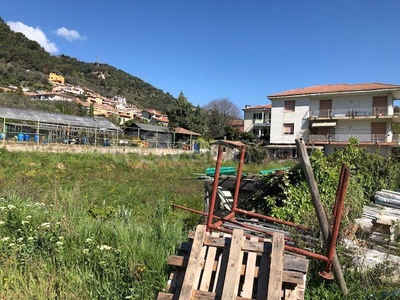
[[233, 267]]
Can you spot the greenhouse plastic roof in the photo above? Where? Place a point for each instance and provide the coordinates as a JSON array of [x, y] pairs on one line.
[[33, 115]]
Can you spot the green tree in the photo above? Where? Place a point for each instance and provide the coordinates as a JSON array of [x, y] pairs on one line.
[[91, 110], [183, 114]]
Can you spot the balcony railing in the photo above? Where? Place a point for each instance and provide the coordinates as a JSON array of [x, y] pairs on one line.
[[344, 137], [349, 112], [261, 124]]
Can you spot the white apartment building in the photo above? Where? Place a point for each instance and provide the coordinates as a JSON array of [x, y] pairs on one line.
[[329, 115], [257, 119]]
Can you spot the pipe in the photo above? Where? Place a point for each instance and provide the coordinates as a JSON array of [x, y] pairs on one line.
[[271, 219], [287, 247], [238, 179], [342, 189], [214, 189]]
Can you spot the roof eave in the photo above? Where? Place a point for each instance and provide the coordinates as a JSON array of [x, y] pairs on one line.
[[272, 97]]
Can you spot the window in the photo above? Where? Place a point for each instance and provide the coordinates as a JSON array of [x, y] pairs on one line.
[[289, 106], [257, 116], [288, 128]]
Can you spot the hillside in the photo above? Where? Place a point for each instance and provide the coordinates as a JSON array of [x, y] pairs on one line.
[[25, 63]]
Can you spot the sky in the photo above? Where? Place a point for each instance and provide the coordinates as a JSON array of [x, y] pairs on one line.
[[243, 50]]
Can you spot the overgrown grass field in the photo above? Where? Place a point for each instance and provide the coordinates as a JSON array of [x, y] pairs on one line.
[[94, 226], [79, 226]]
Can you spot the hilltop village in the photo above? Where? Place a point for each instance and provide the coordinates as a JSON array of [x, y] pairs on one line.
[[96, 104]]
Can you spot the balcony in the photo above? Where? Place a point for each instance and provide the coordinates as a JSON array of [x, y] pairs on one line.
[[261, 124], [344, 137], [349, 112]]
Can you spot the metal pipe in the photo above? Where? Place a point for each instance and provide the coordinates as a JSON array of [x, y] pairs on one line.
[[214, 189], [271, 219], [238, 179], [287, 247], [344, 176], [334, 211]]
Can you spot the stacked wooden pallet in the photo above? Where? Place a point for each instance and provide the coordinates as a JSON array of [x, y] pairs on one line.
[[234, 267]]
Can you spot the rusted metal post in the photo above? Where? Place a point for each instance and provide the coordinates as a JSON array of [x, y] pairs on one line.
[[214, 189], [319, 209], [238, 179], [342, 190], [271, 219]]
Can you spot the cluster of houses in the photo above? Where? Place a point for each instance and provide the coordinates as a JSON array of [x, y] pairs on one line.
[[327, 116], [102, 106]]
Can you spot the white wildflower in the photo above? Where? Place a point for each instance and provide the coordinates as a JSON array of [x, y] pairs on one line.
[[11, 206], [20, 240], [59, 243], [28, 217], [104, 247], [45, 225], [24, 222], [88, 240], [5, 239], [85, 251], [61, 237], [30, 238], [11, 245], [2, 207], [2, 223]]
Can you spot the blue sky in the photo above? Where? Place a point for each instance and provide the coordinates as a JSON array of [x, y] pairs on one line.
[[243, 50]]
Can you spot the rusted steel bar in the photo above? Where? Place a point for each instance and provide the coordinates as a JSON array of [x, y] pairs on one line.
[[238, 179], [334, 211], [319, 209], [287, 247], [271, 219], [228, 217], [222, 220], [211, 207], [342, 190], [222, 229]]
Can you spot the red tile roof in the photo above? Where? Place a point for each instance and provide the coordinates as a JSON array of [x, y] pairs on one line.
[[258, 107], [186, 131], [335, 88]]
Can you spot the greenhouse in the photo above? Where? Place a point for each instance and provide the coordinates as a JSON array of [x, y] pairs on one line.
[[41, 127]]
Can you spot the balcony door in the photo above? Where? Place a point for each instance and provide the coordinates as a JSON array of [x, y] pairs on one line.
[[380, 105], [378, 131], [325, 107]]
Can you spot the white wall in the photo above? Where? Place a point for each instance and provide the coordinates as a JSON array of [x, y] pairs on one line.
[[298, 117]]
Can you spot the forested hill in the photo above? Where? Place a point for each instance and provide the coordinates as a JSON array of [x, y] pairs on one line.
[[25, 63]]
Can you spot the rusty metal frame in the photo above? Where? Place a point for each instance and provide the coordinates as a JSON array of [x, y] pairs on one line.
[[214, 222]]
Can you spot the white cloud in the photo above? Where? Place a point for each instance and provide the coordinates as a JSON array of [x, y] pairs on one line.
[[70, 35], [34, 34]]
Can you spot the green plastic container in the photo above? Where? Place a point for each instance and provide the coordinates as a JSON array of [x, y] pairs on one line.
[[223, 171], [272, 171]]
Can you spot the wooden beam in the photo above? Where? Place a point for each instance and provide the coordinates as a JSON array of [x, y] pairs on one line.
[[194, 264], [319, 209], [232, 276], [276, 268]]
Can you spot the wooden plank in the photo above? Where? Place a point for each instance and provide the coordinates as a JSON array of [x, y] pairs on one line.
[[293, 277], [177, 261], [221, 268], [263, 273], [276, 269], [209, 266], [247, 290], [193, 263], [232, 276], [295, 263], [203, 295], [164, 296], [200, 267]]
